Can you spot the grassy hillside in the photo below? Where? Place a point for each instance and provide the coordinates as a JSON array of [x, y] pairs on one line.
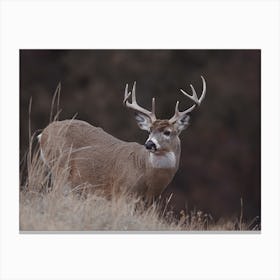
[[45, 205]]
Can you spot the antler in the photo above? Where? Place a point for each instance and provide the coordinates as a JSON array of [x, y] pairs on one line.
[[193, 97], [133, 105]]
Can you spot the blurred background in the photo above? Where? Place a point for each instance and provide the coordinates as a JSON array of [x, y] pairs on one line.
[[220, 159]]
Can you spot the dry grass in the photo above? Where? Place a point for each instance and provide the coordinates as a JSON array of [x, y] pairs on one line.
[[47, 205], [53, 212]]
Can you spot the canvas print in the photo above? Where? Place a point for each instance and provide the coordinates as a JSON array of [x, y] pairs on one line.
[[140, 141]]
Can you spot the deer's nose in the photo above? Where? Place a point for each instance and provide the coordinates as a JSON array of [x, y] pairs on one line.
[[149, 145]]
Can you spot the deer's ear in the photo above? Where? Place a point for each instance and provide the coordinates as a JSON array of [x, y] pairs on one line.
[[143, 121], [182, 123]]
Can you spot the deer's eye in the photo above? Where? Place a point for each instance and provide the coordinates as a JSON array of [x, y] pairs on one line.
[[167, 132]]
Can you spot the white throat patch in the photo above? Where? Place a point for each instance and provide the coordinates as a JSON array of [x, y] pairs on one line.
[[168, 160]]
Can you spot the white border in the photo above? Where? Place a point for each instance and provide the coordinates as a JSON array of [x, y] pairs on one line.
[[155, 24]]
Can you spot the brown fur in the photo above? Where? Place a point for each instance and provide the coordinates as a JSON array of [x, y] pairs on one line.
[[102, 161], [161, 125]]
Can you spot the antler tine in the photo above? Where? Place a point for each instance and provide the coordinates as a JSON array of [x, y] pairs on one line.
[[176, 107], [126, 94], [193, 97], [154, 106], [134, 106], [133, 93]]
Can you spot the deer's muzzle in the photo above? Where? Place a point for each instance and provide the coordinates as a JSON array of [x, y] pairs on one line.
[[150, 145]]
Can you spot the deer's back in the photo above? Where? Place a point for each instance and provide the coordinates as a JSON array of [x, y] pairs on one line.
[[94, 156], [75, 133]]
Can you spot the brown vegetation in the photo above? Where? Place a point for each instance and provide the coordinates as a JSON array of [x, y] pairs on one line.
[[46, 205]]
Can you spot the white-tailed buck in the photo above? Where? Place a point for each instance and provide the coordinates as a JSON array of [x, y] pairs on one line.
[[100, 161]]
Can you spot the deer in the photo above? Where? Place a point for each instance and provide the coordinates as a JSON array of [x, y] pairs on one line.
[[105, 163]]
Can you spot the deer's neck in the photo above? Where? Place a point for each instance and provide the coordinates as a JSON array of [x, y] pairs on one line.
[[162, 170], [167, 160]]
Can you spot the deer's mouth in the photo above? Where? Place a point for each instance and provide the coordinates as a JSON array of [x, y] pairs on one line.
[[153, 150]]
